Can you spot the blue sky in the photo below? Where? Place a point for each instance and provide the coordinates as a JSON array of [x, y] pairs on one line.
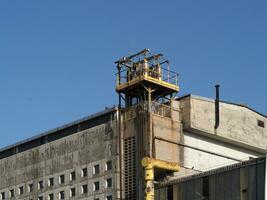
[[57, 57]]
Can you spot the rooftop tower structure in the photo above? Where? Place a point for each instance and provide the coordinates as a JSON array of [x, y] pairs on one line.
[[145, 78], [146, 88]]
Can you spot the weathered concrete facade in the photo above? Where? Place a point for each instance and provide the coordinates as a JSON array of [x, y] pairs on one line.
[[149, 134], [239, 124], [183, 131], [110, 145], [82, 165], [238, 137]]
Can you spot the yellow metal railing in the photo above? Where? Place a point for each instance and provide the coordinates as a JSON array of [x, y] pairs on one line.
[[155, 73]]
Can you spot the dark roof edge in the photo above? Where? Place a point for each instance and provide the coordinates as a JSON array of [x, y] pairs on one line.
[[98, 114], [212, 172], [227, 102]]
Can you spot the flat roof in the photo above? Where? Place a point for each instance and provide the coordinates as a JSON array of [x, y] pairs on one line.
[[59, 132]]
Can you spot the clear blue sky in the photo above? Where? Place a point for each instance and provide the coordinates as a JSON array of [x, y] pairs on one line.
[[57, 57]]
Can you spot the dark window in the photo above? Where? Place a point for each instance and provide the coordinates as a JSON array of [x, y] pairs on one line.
[[84, 172], [51, 196], [30, 187], [84, 189], [41, 185], [108, 165], [40, 198], [50, 182], [96, 169], [72, 176], [205, 189], [21, 190], [96, 186], [109, 197], [11, 193], [245, 190], [61, 179], [72, 192], [61, 195], [3, 195], [109, 183], [261, 123]]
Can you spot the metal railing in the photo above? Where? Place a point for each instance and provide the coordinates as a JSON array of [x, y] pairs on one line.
[[161, 109], [155, 108], [159, 73]]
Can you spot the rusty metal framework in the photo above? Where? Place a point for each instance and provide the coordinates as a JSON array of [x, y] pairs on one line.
[[145, 77]]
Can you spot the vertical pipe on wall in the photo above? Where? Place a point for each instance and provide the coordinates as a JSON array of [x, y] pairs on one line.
[[120, 147], [217, 107]]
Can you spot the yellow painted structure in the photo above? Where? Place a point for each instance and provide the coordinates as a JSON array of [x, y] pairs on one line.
[[149, 165], [144, 77]]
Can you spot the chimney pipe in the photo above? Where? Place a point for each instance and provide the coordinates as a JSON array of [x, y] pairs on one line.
[[217, 107]]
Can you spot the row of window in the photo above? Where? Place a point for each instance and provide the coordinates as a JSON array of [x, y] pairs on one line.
[[61, 180], [84, 190], [61, 196]]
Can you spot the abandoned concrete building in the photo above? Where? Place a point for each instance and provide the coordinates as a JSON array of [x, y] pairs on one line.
[[153, 145]]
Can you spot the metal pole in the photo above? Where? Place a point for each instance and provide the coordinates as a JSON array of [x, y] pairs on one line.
[[217, 107], [168, 73], [120, 147], [149, 100]]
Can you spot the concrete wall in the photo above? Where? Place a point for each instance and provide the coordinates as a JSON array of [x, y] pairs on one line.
[[203, 153], [84, 149], [203, 148], [151, 134], [238, 124], [167, 133]]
